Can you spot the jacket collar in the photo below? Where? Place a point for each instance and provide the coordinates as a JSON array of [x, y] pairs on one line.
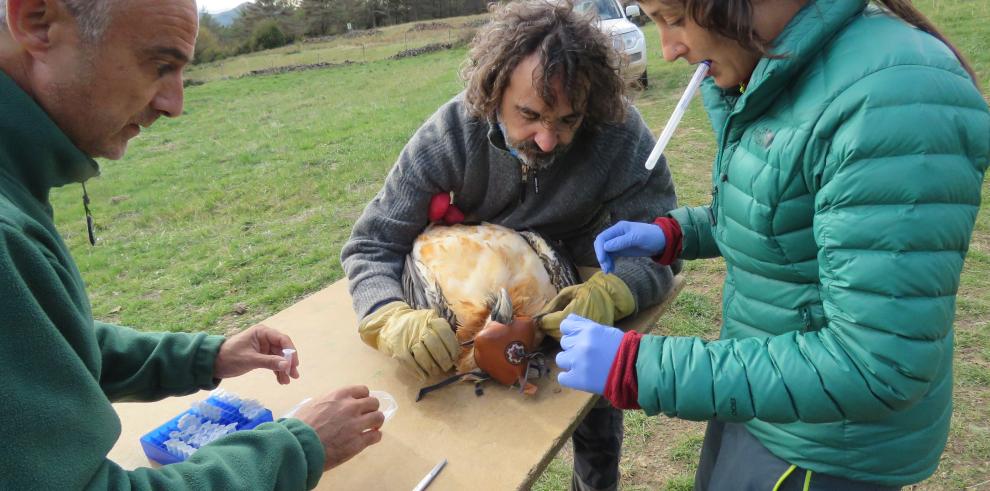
[[495, 135], [33, 150]]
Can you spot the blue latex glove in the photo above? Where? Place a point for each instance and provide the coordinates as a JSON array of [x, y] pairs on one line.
[[629, 239], [589, 350]]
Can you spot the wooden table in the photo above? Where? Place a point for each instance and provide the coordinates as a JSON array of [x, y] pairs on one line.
[[501, 440]]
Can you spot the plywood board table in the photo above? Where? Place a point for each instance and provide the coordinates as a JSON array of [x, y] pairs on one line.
[[501, 440]]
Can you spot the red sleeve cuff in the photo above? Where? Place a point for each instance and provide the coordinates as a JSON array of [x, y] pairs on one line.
[[674, 240], [443, 211], [621, 388]]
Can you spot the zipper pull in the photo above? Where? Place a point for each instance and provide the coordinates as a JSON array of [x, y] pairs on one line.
[[711, 209], [536, 181], [523, 183], [89, 217], [806, 317]]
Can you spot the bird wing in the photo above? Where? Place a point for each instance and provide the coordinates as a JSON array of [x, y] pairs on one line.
[[560, 269], [421, 290]]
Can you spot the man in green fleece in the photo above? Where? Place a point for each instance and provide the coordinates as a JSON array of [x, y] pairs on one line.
[[78, 79]]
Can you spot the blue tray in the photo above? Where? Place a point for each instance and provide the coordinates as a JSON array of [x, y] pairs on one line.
[[153, 442]]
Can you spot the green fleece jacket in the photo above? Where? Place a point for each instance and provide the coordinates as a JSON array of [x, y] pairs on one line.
[[61, 370], [846, 187]]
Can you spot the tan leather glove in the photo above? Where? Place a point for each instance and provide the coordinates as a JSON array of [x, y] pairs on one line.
[[420, 340], [604, 298]]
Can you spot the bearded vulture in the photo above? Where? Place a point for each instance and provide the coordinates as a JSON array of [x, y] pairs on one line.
[[488, 282]]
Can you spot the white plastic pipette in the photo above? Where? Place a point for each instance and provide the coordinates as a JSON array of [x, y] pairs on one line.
[[292, 412], [675, 118]]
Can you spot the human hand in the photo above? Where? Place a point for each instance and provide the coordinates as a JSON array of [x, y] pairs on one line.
[[628, 239], [256, 347], [603, 298], [589, 349], [346, 420], [422, 342]]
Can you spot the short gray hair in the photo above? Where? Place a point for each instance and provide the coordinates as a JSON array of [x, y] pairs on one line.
[[93, 16]]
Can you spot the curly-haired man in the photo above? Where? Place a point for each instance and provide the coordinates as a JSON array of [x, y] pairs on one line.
[[542, 139]]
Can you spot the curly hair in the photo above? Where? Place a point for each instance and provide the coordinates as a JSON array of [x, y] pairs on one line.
[[569, 47]]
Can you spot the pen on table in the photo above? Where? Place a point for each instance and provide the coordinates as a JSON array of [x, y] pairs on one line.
[[429, 477]]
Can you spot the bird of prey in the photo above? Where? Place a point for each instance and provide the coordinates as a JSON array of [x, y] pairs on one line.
[[488, 282]]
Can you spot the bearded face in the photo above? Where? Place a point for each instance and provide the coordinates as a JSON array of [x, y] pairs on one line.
[[529, 152], [537, 131]]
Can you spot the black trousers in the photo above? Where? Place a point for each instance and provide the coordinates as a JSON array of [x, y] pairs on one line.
[[597, 448], [733, 459]]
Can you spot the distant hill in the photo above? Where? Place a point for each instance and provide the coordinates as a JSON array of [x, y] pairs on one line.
[[227, 17]]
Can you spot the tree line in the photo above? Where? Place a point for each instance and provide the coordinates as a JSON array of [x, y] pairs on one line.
[[267, 24]]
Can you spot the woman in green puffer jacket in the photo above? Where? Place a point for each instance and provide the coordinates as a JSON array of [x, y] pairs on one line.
[[852, 143]]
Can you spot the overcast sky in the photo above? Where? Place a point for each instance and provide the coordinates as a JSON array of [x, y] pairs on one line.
[[214, 6]]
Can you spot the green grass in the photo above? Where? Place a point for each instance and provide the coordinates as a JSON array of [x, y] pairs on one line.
[[557, 476], [339, 49], [687, 449], [238, 209], [243, 204]]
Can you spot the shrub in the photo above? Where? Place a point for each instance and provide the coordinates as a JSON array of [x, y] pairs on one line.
[[267, 35], [208, 47]]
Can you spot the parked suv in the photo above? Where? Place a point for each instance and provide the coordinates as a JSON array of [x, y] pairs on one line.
[[627, 39]]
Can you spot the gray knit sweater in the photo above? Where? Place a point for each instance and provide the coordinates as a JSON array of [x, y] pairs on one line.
[[598, 182]]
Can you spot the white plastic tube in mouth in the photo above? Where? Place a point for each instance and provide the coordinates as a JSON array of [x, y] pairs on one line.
[[675, 118]]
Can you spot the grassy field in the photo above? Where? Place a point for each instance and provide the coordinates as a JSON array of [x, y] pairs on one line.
[[237, 210], [358, 46]]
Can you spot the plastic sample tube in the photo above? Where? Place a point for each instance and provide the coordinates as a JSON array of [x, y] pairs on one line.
[[207, 410], [251, 408], [675, 118], [288, 354]]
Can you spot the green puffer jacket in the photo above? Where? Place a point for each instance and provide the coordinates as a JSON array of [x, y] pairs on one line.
[[846, 187]]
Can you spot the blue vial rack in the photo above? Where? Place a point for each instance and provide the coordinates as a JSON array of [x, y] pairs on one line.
[[153, 442]]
